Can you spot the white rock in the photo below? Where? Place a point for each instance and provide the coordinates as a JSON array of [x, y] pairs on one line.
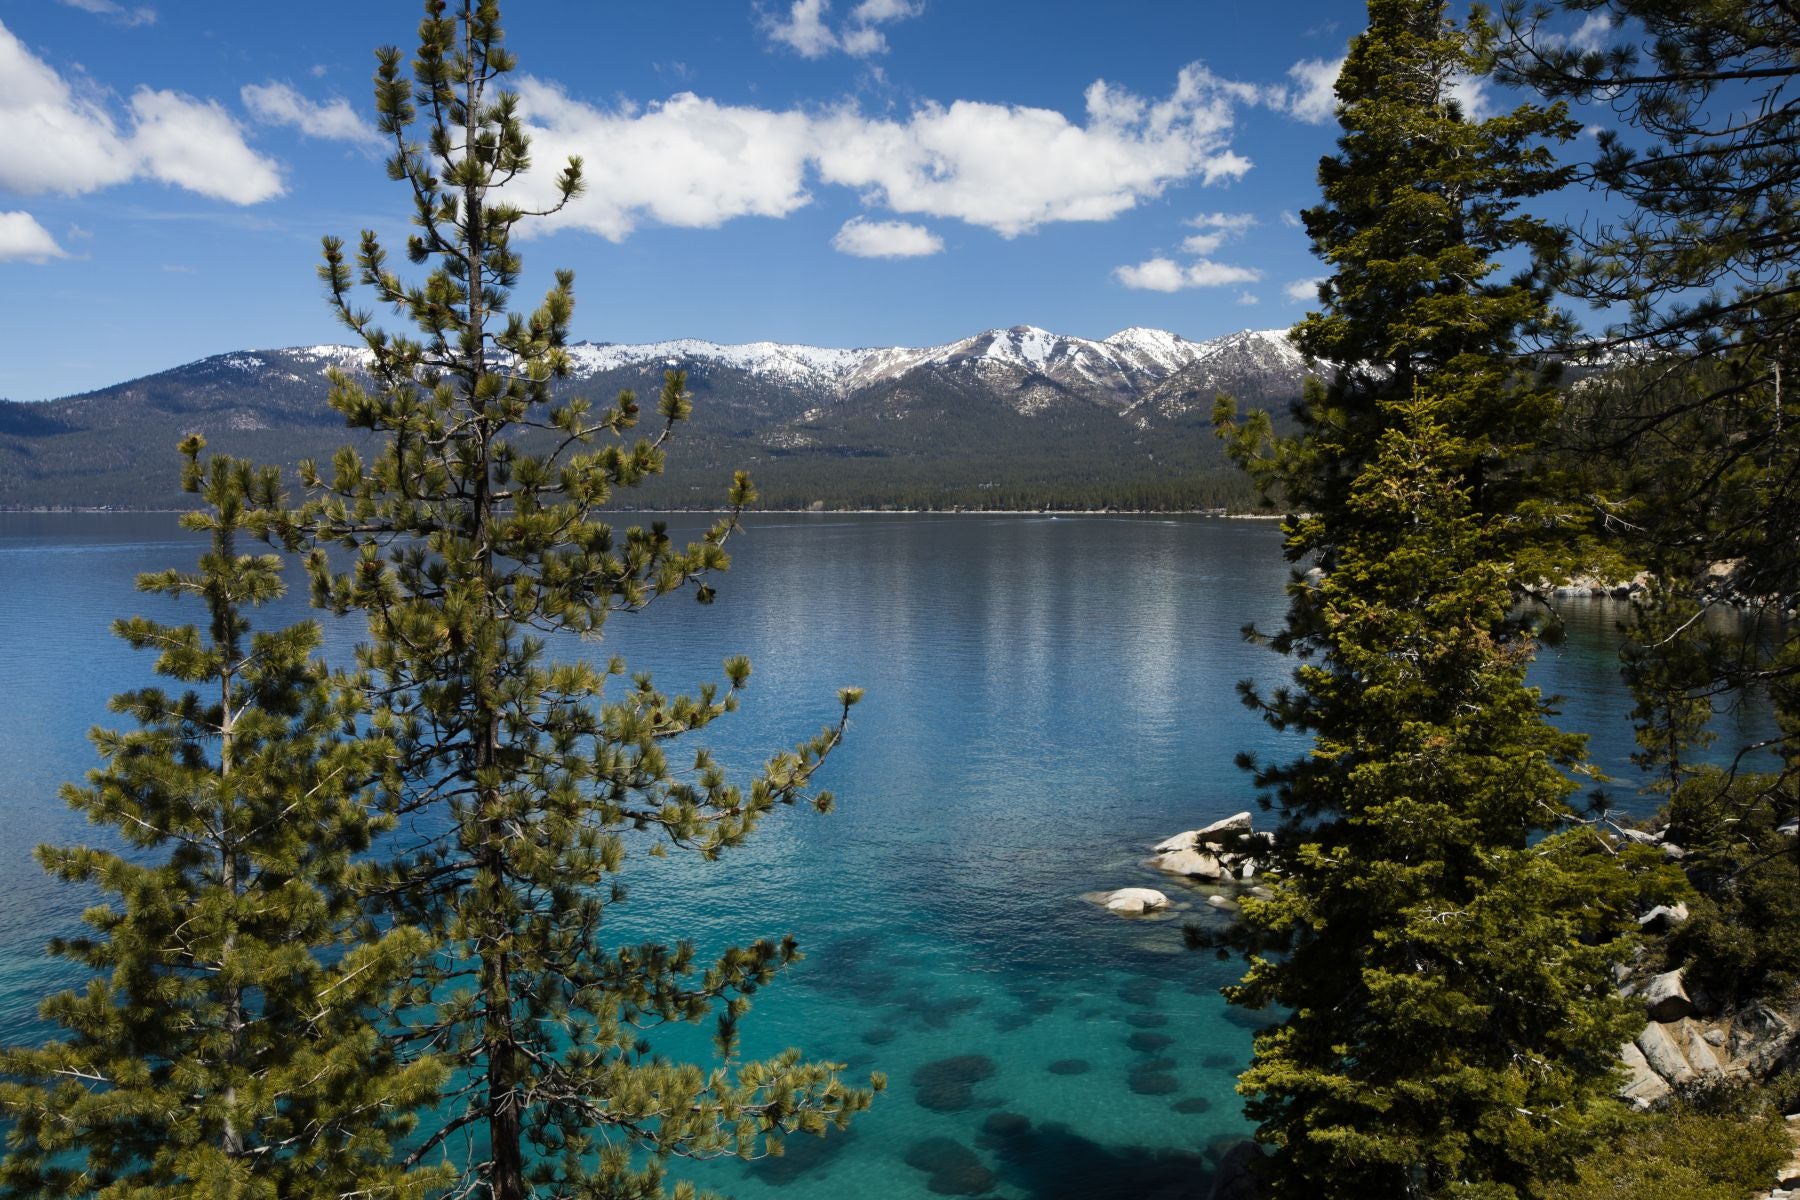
[[1194, 864], [1181, 841], [1664, 1055], [1221, 902], [1665, 999], [1695, 1049], [1134, 901], [1645, 1087], [1663, 917], [1234, 824], [1247, 869]]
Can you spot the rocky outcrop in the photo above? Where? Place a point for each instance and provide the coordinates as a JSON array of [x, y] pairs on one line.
[[1134, 902], [1749, 1043], [1665, 999], [1228, 850]]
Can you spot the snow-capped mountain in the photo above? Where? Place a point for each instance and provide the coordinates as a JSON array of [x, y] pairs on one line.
[[1119, 367], [1005, 406]]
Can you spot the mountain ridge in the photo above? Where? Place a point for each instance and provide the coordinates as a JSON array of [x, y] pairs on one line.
[[1021, 413]]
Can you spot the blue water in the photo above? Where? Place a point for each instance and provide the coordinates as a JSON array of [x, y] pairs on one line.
[[1046, 698]]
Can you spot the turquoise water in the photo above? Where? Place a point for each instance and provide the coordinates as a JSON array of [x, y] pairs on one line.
[[1047, 697]]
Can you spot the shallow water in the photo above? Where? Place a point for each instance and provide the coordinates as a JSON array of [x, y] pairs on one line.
[[1047, 697]]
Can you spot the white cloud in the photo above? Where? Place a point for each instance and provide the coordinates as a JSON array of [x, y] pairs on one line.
[[806, 30], [1219, 228], [117, 12], [885, 239], [1470, 92], [1304, 291], [1011, 169], [195, 145], [687, 161], [22, 239], [1592, 34], [1312, 98], [1247, 299], [1292, 220], [695, 162], [875, 12], [55, 140], [279, 104], [1167, 275]]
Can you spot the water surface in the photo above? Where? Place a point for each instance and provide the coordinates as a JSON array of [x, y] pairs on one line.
[[1046, 698]]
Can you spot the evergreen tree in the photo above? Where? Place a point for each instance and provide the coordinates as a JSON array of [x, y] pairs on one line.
[[224, 1047], [1440, 929], [473, 539], [1692, 451]]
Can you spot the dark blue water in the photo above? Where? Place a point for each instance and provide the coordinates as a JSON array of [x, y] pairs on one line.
[[1046, 698]]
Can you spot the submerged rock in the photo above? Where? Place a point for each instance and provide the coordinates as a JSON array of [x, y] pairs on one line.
[[1071, 1066], [1153, 1083], [948, 1085], [1192, 1106], [951, 1168], [1149, 1043]]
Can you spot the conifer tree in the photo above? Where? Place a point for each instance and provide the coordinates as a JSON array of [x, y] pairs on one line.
[[1440, 930], [224, 1046], [1691, 449], [474, 544]]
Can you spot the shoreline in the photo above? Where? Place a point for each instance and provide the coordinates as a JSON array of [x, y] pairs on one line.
[[1221, 514]]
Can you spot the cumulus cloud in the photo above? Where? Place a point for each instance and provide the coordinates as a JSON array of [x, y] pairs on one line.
[[1304, 291], [1592, 34], [806, 29], [1217, 229], [1247, 299], [22, 239], [194, 144], [691, 161], [336, 120], [1167, 275], [686, 161], [885, 239], [55, 140], [118, 12], [1010, 169], [1312, 98]]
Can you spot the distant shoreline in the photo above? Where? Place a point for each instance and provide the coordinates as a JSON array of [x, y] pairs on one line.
[[106, 511]]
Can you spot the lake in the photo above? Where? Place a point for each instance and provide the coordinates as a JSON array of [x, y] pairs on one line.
[[1046, 698]]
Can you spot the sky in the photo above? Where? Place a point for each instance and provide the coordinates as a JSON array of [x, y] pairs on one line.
[[832, 172]]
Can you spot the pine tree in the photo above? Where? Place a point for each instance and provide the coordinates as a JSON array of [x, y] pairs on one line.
[[1440, 930], [224, 1046], [1692, 450], [474, 543]]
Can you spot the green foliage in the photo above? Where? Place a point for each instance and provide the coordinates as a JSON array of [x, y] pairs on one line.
[[1691, 449], [1441, 929], [471, 536], [1742, 940], [1684, 1153], [224, 1044]]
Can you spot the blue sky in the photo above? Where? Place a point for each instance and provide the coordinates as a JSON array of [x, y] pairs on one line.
[[858, 172]]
